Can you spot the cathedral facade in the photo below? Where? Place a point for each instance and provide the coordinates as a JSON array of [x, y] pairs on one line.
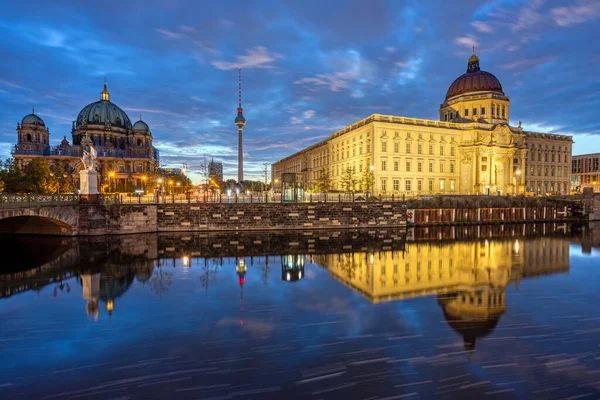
[[472, 149], [126, 156]]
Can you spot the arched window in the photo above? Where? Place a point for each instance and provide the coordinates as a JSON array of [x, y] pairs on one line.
[[140, 142], [28, 137]]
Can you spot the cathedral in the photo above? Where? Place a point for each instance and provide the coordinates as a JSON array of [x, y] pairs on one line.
[[126, 156], [472, 149]]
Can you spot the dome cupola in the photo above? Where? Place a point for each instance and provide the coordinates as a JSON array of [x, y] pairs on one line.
[[474, 80], [141, 125], [103, 112], [32, 119]]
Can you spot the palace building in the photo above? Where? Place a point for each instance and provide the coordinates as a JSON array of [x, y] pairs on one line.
[[125, 152], [472, 149]]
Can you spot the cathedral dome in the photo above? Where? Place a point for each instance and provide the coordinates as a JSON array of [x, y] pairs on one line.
[[102, 112], [32, 119], [474, 80]]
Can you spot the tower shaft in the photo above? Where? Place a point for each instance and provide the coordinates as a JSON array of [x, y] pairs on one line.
[[240, 156]]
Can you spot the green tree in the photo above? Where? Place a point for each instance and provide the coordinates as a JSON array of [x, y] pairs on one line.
[[349, 180], [1, 185], [368, 180], [63, 179], [12, 177], [39, 178], [323, 181]]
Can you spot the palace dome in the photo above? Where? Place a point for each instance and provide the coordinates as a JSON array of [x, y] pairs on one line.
[[102, 112], [474, 80], [33, 120]]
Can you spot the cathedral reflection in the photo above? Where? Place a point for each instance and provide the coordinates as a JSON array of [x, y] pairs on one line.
[[469, 278]]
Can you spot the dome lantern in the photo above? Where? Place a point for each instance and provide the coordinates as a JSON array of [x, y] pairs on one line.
[[104, 95], [473, 63]]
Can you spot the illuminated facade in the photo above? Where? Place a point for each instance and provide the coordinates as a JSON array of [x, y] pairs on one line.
[[472, 149], [469, 278], [125, 151], [585, 172]]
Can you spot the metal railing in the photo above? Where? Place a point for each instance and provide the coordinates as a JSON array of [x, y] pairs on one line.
[[77, 152], [31, 200]]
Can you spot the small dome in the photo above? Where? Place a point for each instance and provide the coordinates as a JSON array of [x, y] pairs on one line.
[[474, 80], [141, 126], [32, 119]]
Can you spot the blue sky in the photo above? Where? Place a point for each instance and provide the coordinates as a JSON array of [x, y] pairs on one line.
[[309, 68]]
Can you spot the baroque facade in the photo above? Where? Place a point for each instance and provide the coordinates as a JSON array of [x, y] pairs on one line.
[[125, 152], [472, 149]]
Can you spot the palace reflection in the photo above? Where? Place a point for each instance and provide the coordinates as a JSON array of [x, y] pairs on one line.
[[468, 269], [469, 278]]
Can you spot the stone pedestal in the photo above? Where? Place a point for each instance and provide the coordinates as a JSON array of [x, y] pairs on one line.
[[88, 186]]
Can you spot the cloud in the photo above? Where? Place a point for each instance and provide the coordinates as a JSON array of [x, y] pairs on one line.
[[295, 120], [577, 14], [527, 63], [169, 34], [154, 111], [334, 82], [482, 26], [466, 41], [309, 114], [257, 57], [390, 49], [188, 29]]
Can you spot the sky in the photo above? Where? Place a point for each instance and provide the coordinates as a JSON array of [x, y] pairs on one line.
[[309, 68]]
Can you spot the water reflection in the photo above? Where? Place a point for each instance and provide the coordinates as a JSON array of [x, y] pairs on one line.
[[301, 293]]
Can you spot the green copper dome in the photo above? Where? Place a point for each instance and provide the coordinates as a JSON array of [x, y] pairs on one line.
[[141, 126], [101, 112], [33, 120]]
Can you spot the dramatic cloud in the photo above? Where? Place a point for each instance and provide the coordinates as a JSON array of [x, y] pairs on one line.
[[482, 27], [577, 14]]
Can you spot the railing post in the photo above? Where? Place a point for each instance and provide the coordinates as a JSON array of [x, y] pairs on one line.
[[310, 195], [250, 198], [339, 197]]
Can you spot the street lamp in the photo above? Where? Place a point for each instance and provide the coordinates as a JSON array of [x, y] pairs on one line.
[[170, 187], [111, 175]]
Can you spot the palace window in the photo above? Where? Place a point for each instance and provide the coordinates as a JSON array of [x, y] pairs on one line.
[[441, 149], [442, 184], [441, 166], [353, 151], [430, 149], [419, 148], [383, 165], [452, 168], [419, 185], [503, 112], [383, 147], [383, 185], [452, 151], [408, 185], [492, 110], [452, 185], [360, 151], [396, 163], [466, 112], [396, 134], [419, 166], [368, 147], [396, 185], [430, 166], [474, 111], [445, 117], [407, 148], [396, 147], [408, 166], [431, 185], [482, 110], [484, 168]]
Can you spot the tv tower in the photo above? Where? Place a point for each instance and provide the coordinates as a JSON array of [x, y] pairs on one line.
[[240, 121]]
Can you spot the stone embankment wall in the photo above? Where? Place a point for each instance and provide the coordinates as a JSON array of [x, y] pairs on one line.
[[214, 217], [457, 216]]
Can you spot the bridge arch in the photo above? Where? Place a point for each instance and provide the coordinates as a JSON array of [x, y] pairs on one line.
[[39, 221]]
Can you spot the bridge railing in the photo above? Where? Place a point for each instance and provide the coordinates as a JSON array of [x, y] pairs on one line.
[[30, 200]]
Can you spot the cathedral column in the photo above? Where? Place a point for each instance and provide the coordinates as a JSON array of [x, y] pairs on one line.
[[523, 167], [477, 170], [492, 174]]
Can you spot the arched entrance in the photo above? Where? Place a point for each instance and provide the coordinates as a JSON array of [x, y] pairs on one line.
[[34, 225]]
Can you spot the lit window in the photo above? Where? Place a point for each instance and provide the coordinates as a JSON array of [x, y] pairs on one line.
[[451, 185], [442, 184]]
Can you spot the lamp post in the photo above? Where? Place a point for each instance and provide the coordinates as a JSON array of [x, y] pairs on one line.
[[170, 187], [111, 175], [178, 184], [144, 183]]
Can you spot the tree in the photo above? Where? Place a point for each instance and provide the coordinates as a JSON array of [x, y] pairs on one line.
[[349, 180], [323, 181], [368, 180], [11, 176], [1, 185], [39, 178], [63, 178]]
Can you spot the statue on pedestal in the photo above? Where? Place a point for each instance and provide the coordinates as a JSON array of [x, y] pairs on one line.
[[88, 159], [88, 177]]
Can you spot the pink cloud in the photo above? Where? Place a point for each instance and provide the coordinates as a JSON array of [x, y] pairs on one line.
[[257, 57]]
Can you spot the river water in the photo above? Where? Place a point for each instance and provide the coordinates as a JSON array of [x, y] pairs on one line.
[[504, 311]]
